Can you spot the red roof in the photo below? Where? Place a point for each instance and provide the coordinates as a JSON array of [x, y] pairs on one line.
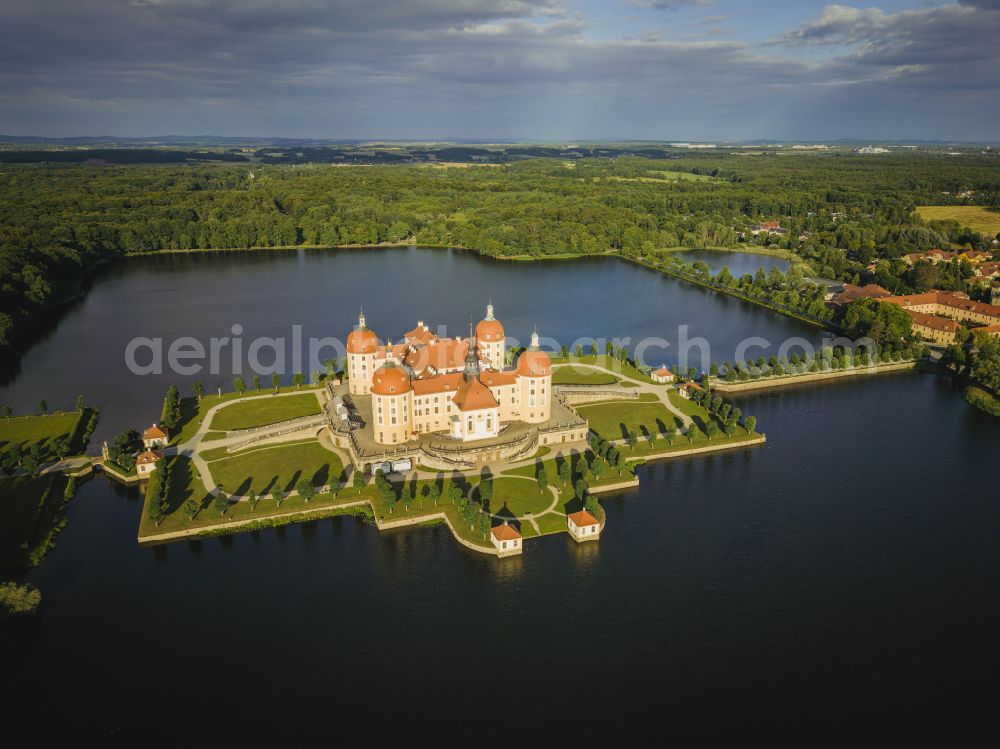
[[390, 381], [489, 330], [534, 363], [474, 396], [362, 342], [150, 456], [505, 532], [154, 433], [582, 519]]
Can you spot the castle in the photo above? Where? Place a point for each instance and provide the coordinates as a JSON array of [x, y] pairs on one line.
[[462, 388]]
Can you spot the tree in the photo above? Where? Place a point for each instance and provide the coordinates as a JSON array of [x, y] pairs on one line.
[[359, 481], [633, 439], [7, 411], [486, 491], [298, 379], [435, 493], [750, 422], [564, 472], [79, 403], [542, 478], [306, 489], [191, 508], [252, 499], [239, 385], [256, 383], [221, 503], [278, 497], [275, 381], [711, 428], [43, 407], [670, 433], [199, 389]]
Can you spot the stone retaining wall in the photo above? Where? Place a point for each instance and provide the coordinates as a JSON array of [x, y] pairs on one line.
[[703, 449], [770, 382]]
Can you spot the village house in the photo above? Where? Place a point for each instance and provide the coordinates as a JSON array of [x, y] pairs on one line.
[[851, 293], [688, 389], [155, 436], [583, 526], [145, 464], [506, 540], [662, 375], [943, 256]]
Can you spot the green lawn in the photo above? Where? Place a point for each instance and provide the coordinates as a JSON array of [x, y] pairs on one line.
[[185, 484], [621, 369], [570, 375], [30, 510], [278, 466], [975, 217], [517, 497], [616, 419], [193, 411], [42, 431], [264, 411]]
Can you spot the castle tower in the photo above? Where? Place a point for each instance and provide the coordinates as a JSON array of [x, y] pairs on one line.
[[491, 341], [392, 404], [471, 359], [534, 369], [362, 344]]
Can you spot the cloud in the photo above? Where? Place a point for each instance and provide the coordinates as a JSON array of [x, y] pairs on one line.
[[484, 68]]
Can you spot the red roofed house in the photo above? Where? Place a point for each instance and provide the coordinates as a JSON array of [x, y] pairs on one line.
[[145, 464], [507, 540], [154, 437], [852, 292], [687, 389], [662, 375], [583, 526]]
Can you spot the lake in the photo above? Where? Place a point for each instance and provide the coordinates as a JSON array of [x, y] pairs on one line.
[[840, 579]]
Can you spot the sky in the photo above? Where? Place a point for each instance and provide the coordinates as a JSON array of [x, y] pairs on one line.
[[568, 70]]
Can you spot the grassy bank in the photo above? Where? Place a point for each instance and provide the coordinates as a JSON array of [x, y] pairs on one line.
[[193, 411], [32, 512], [975, 217], [45, 431], [264, 411]]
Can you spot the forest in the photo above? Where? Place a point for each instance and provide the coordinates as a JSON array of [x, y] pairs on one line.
[[840, 212]]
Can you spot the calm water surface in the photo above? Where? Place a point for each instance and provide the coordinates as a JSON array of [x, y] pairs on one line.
[[840, 580]]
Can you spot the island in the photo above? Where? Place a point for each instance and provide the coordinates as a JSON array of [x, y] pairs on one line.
[[500, 444]]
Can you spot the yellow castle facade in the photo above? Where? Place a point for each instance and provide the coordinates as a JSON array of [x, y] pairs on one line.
[[459, 387]]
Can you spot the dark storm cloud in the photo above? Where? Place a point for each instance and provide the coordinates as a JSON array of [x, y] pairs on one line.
[[482, 68]]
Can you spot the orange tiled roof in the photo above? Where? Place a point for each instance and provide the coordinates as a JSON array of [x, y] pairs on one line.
[[362, 342], [150, 456], [582, 519], [437, 383], [489, 330], [852, 292], [498, 379], [390, 381], [153, 433], [534, 363], [474, 396], [505, 532], [933, 322], [663, 372]]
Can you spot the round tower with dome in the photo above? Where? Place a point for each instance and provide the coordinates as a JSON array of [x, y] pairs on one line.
[[392, 401], [491, 341], [534, 370], [362, 346]]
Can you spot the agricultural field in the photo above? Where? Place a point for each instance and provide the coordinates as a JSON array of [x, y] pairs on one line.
[[975, 217]]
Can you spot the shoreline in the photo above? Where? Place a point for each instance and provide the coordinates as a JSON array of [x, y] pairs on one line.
[[789, 380]]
